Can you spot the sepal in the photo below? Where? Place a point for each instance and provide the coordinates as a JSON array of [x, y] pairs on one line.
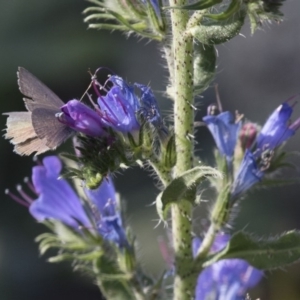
[[112, 281], [169, 155], [80, 246]]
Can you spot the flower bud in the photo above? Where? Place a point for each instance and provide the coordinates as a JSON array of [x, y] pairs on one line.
[[248, 135], [81, 118]]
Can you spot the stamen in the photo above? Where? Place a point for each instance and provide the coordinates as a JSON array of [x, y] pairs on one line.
[[30, 185], [16, 198], [218, 98], [37, 161], [96, 107], [23, 194], [95, 83], [238, 116], [291, 98], [295, 125]]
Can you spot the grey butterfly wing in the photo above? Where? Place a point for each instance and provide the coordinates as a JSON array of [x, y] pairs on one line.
[[48, 128], [19, 127], [30, 146], [22, 135], [40, 94], [37, 130]]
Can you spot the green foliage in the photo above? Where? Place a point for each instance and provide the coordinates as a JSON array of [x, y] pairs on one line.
[[204, 66], [263, 254], [216, 29], [101, 156], [260, 11], [127, 16], [169, 153], [232, 8], [199, 5], [183, 187]]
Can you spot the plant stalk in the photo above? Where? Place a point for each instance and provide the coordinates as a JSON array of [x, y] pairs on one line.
[[182, 48]]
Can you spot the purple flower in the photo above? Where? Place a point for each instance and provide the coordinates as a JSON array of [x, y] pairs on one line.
[[224, 131], [275, 132], [277, 128], [119, 106], [226, 279], [249, 173], [109, 222], [56, 199], [149, 107], [81, 118]]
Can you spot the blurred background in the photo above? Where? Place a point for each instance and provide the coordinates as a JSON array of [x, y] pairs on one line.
[[255, 74]]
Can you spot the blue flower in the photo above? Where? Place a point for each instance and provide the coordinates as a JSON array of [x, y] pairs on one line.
[[119, 106], [149, 108], [81, 118], [109, 222], [277, 128], [226, 279], [224, 131], [254, 164], [249, 173], [56, 199], [121, 109]]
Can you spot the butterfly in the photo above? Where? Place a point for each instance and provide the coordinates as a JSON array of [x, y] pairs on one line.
[[36, 130]]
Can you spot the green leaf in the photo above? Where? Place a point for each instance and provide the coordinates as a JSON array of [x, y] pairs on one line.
[[183, 187], [114, 284], [261, 11], [204, 67], [213, 32], [202, 4], [262, 254], [157, 20], [169, 153], [84, 257]]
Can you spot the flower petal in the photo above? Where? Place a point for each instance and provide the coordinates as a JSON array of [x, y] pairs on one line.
[[56, 200], [81, 118]]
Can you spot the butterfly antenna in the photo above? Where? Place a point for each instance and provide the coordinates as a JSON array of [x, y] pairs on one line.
[[85, 92]]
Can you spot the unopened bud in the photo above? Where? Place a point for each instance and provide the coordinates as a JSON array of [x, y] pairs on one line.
[[248, 135]]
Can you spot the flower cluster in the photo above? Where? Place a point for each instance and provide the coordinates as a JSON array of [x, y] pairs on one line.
[[120, 109], [256, 162], [56, 200], [226, 279], [259, 148]]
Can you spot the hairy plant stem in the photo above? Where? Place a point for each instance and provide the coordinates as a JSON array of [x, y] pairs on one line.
[[182, 48]]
